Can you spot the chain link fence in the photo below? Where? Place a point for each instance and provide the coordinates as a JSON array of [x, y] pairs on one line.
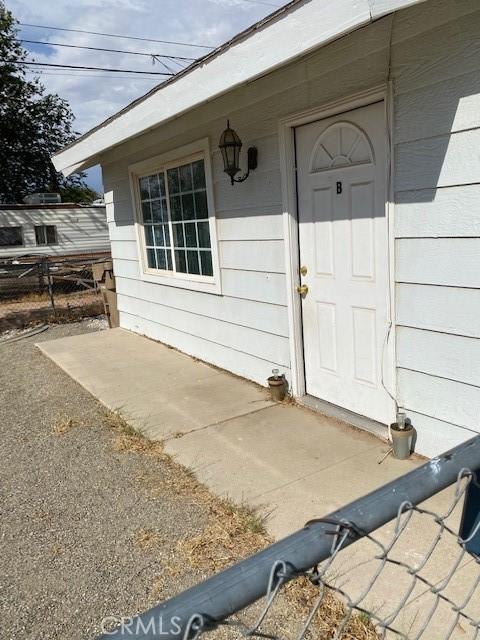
[[38, 289], [381, 567]]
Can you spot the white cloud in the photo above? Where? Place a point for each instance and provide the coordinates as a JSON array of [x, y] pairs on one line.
[[93, 96]]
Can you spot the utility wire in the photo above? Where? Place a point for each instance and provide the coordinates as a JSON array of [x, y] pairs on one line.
[[39, 72], [71, 66], [132, 53], [115, 35], [179, 64], [164, 65]]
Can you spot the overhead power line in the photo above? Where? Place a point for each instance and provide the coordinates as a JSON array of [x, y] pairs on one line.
[[39, 72], [72, 66], [132, 53], [115, 35]]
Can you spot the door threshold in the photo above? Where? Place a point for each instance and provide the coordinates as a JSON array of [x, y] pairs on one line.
[[334, 411]]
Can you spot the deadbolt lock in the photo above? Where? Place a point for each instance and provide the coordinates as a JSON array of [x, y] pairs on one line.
[[302, 289], [303, 271]]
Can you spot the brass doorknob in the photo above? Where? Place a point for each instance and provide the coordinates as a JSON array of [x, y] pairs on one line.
[[302, 289]]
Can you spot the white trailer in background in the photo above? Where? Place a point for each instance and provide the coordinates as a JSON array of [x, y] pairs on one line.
[[55, 229]]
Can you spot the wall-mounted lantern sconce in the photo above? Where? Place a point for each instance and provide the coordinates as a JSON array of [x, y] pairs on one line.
[[230, 145]]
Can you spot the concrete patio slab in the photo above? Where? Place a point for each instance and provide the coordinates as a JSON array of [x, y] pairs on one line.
[[163, 392], [294, 463], [273, 456]]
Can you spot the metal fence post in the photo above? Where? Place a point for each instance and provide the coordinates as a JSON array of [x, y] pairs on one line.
[[50, 284]]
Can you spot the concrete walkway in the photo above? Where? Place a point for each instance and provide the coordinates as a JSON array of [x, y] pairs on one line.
[[294, 463]]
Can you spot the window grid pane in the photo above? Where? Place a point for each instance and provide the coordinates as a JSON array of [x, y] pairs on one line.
[[11, 237], [180, 228], [189, 212], [155, 221], [39, 235], [51, 233]]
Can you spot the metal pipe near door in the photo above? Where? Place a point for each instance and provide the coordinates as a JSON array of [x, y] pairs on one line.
[[237, 587]]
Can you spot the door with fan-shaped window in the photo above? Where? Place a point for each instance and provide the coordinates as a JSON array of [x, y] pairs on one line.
[[343, 234]]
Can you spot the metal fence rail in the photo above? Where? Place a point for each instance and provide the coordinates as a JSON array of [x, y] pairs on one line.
[[439, 572]]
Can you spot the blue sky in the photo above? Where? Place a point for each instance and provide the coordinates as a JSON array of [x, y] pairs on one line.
[[93, 96]]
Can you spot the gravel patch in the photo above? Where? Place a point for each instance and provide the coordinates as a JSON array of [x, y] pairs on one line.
[[74, 512], [97, 523]]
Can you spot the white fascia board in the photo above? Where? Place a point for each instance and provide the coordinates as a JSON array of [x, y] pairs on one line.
[[289, 36]]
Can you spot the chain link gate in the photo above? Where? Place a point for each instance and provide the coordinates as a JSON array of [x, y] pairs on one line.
[[402, 580], [35, 289]]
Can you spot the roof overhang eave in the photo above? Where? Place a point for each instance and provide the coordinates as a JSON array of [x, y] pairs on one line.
[[264, 48]]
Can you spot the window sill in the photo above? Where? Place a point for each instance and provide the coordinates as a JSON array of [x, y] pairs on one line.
[[182, 281]]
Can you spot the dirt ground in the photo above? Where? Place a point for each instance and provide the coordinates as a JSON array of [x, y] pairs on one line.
[[33, 308], [97, 523]]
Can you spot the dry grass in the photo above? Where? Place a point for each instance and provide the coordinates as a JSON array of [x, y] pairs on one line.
[[232, 532], [63, 424], [303, 595], [148, 539], [31, 296], [158, 587], [129, 439]]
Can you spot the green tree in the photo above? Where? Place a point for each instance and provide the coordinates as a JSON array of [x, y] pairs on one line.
[[78, 193], [33, 125]]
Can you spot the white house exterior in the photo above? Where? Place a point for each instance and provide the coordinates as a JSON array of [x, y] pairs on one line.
[[366, 117], [52, 230]]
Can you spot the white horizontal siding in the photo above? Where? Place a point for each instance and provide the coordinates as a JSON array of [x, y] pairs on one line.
[[261, 344], [123, 213], [122, 233], [446, 309], [436, 74], [446, 400], [125, 250], [256, 223], [237, 362], [435, 213], [254, 285], [79, 230], [263, 188], [432, 431], [443, 261], [270, 318], [126, 269], [446, 107], [253, 255], [443, 161], [427, 16], [439, 354], [439, 54]]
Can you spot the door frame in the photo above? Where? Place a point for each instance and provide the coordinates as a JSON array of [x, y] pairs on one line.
[[286, 136]]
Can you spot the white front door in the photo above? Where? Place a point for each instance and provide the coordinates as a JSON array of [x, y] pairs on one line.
[[343, 234]]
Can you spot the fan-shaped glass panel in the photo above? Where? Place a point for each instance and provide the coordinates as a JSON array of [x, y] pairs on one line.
[[341, 145]]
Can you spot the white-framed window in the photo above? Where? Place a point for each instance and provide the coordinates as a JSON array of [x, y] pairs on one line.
[[11, 237], [175, 220], [45, 234]]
